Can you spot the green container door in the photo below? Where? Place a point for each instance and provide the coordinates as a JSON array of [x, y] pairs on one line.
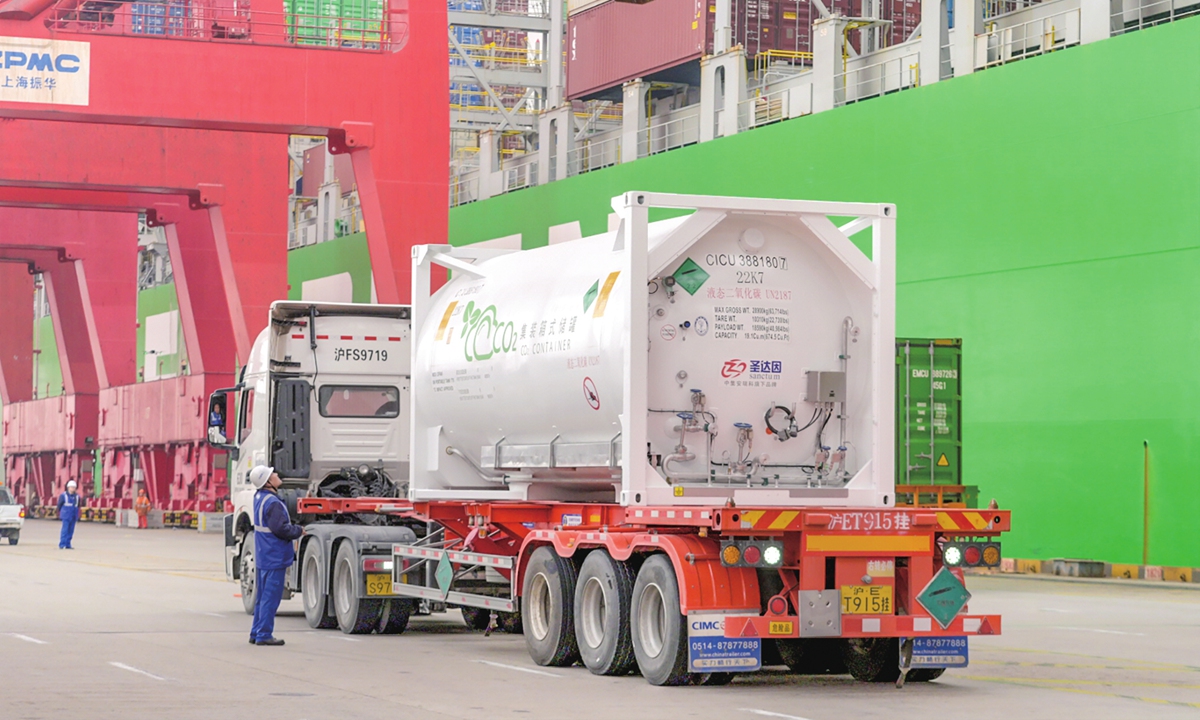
[[362, 22], [929, 413]]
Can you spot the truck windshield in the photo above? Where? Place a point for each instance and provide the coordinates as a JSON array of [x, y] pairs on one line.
[[359, 401], [6, 498]]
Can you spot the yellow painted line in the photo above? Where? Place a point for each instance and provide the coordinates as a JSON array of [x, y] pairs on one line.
[[869, 543], [445, 320], [1066, 681], [1158, 666], [785, 518], [976, 519], [1078, 666], [946, 521], [752, 516], [602, 301]]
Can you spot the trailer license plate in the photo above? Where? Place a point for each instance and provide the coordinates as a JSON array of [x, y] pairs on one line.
[[379, 583], [866, 599]]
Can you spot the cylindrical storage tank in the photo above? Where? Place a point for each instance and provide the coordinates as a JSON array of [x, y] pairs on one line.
[[753, 363]]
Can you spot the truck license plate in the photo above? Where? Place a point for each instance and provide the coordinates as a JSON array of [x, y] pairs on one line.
[[379, 583], [866, 599]]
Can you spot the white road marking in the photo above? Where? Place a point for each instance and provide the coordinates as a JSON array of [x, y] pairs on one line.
[[210, 614], [132, 669], [768, 713], [1098, 630], [28, 639], [518, 668], [1057, 610], [339, 637]]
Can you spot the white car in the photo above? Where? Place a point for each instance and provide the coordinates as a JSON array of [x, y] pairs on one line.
[[12, 516]]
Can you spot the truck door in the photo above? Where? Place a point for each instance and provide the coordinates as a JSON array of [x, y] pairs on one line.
[[291, 454]]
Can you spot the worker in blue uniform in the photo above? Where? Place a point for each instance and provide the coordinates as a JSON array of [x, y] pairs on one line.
[[273, 553], [68, 512]]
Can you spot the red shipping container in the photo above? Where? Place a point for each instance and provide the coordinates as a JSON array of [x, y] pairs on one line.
[[612, 43]]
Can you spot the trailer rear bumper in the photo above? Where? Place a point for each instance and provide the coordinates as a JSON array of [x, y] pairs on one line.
[[862, 626]]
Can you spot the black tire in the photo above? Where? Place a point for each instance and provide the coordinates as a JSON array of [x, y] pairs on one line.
[[476, 618], [12, 539], [395, 615], [873, 659], [314, 588], [816, 656], [511, 623], [247, 574], [658, 629], [548, 609], [602, 606], [355, 615], [924, 675]]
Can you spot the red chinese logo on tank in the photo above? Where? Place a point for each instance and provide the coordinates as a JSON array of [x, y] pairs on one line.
[[590, 394], [733, 368]]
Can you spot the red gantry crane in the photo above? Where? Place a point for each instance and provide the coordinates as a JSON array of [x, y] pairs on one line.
[[100, 70]]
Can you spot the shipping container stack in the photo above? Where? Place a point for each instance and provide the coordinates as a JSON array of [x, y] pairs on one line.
[[160, 18], [466, 95]]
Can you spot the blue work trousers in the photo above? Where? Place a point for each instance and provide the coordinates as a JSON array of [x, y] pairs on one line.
[[68, 531], [268, 591]]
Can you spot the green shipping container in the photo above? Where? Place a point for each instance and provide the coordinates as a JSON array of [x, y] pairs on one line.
[[929, 416]]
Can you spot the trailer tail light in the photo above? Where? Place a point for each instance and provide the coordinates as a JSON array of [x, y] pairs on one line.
[[752, 553], [376, 565], [971, 554], [22, 513]]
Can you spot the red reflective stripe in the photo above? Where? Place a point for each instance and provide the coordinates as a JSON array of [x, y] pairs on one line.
[[372, 338], [393, 339], [347, 337], [322, 337], [297, 337]]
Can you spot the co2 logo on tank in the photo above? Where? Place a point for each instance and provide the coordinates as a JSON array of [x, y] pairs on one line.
[[733, 368], [485, 335]]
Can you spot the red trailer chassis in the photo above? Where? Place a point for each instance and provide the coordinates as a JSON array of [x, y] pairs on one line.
[[824, 549]]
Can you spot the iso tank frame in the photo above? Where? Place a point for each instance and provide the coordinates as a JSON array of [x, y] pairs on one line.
[[633, 261]]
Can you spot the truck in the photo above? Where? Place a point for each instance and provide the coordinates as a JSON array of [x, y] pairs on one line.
[[12, 516], [667, 449]]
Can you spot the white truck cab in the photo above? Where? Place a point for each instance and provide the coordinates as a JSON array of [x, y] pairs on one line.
[[324, 400]]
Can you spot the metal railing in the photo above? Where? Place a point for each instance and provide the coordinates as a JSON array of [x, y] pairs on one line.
[[499, 57], [880, 78], [464, 188], [1006, 43], [519, 173], [783, 104], [675, 130], [379, 30], [1134, 15], [598, 151]]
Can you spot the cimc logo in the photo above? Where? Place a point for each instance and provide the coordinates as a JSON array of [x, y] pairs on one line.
[[733, 368], [701, 625]]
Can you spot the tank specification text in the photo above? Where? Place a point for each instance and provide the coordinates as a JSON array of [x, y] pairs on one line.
[[751, 322]]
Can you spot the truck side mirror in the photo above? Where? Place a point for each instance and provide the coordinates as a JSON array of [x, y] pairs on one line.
[[218, 416]]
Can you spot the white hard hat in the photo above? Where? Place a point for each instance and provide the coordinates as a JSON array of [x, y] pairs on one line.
[[260, 475], [71, 483]]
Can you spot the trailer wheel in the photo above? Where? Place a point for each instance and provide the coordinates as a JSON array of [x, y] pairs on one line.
[[355, 615], [873, 659], [394, 616], [924, 674], [314, 591], [547, 608], [658, 629], [476, 618], [246, 575], [602, 599], [814, 656]]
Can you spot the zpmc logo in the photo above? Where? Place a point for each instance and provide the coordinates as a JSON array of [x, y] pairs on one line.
[[733, 368]]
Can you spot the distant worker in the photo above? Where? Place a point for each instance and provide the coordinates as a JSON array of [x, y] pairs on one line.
[[141, 506], [273, 553], [68, 512]]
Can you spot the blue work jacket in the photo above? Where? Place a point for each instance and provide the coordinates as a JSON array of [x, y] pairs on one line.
[[273, 532], [68, 506]]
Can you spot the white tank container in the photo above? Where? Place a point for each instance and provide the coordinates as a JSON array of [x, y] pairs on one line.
[[690, 361]]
